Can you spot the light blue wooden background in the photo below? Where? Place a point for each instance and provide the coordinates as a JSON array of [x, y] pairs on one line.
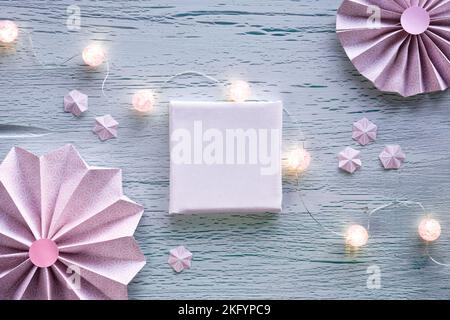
[[287, 50]]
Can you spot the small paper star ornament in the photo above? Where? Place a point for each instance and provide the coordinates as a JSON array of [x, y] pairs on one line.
[[180, 258], [349, 160], [399, 45], [75, 102], [106, 127], [364, 131], [392, 157]]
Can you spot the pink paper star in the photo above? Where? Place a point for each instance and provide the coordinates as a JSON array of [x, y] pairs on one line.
[[106, 127], [180, 258], [75, 102], [364, 131], [349, 160], [392, 157]]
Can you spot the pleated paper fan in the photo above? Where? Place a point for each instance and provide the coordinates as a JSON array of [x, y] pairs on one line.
[[66, 229], [401, 46]]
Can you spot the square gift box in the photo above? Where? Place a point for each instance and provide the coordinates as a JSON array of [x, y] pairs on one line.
[[225, 157]]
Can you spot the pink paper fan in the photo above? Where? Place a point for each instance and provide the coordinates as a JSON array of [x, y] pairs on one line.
[[66, 229], [349, 160], [392, 157], [180, 258], [400, 45]]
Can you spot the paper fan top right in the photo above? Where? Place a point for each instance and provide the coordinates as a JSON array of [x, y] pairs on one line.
[[402, 46]]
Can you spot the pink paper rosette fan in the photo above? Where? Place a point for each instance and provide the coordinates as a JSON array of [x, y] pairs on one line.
[[66, 229], [400, 45]]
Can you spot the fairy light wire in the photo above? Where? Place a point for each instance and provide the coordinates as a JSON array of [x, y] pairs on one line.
[[405, 203]]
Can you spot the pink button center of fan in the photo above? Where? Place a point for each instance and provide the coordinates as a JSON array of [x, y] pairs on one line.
[[415, 20], [43, 253]]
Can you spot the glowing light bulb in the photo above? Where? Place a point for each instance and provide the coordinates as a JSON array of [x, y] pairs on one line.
[[429, 229], [8, 31], [356, 236], [143, 100], [239, 91], [94, 55], [299, 159]]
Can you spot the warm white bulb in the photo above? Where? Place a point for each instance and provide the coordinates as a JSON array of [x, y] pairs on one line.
[[239, 91], [299, 159], [8, 31], [356, 236], [94, 55], [143, 100], [429, 229]]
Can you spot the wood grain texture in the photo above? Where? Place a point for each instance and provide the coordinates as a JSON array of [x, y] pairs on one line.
[[287, 50]]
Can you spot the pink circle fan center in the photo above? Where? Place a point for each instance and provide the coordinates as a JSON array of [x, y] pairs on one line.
[[43, 253]]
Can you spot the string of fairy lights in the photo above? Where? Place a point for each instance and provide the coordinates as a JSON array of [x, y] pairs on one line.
[[298, 160]]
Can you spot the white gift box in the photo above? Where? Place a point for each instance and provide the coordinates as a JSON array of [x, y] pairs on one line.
[[225, 157]]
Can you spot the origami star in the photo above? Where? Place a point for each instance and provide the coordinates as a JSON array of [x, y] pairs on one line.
[[364, 131], [392, 157], [105, 127], [180, 258], [349, 160], [75, 102]]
